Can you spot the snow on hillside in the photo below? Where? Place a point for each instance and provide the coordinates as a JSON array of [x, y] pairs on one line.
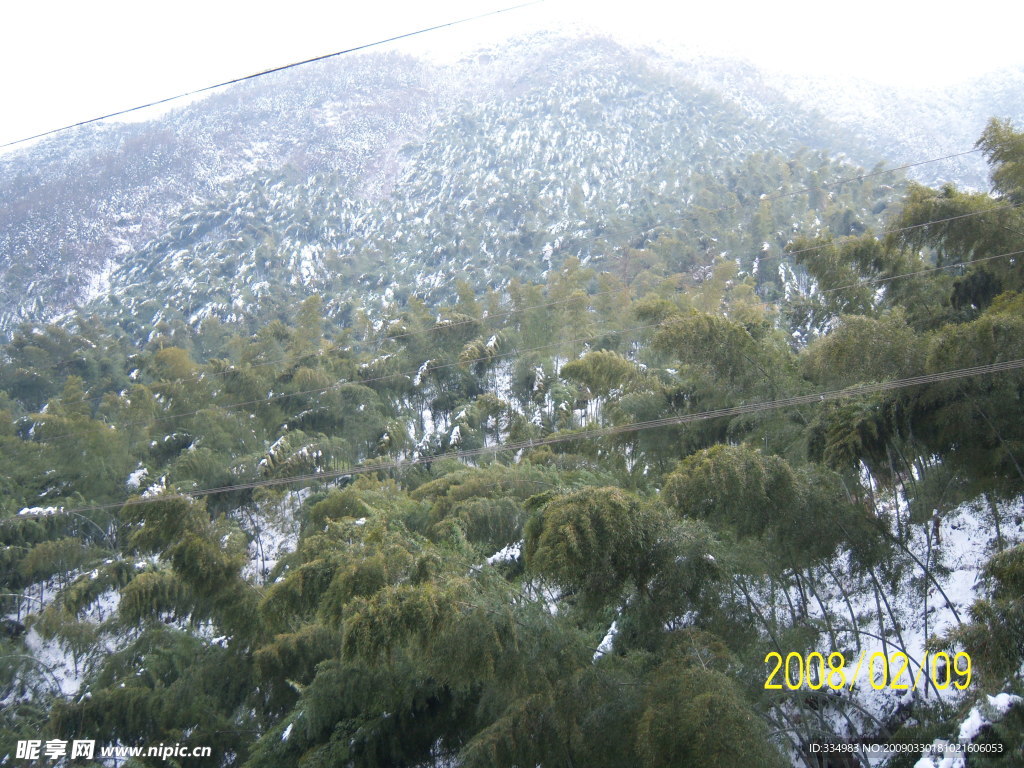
[[344, 164]]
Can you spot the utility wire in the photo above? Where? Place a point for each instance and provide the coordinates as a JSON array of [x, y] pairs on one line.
[[925, 271], [589, 434], [271, 71], [721, 209], [892, 278], [908, 228]]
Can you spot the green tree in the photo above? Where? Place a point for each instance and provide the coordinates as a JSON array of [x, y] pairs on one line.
[[593, 542], [699, 717]]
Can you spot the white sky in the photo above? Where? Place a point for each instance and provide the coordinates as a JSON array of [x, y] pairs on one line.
[[62, 62]]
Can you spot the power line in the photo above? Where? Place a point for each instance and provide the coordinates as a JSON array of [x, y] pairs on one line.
[[773, 196], [908, 228], [591, 434], [925, 271], [271, 71], [892, 278]]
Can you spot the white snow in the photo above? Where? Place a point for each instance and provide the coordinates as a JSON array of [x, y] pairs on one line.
[[919, 612], [940, 757], [274, 532], [972, 726], [156, 488], [135, 478], [607, 641], [506, 554], [418, 379], [55, 663], [976, 720], [40, 511], [99, 283]]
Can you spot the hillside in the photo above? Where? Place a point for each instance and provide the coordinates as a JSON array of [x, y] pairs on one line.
[[607, 155], [368, 143], [520, 413], [82, 202]]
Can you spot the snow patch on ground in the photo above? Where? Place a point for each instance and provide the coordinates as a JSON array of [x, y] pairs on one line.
[[507, 554], [607, 641], [99, 283], [135, 478], [54, 666], [273, 529], [944, 754], [40, 511], [59, 666]]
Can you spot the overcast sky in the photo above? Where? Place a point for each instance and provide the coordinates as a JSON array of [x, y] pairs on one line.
[[68, 61]]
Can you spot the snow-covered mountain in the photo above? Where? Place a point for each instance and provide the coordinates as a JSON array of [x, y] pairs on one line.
[[78, 204], [378, 176]]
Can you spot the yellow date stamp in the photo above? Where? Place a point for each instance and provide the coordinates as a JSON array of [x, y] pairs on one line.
[[895, 671]]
